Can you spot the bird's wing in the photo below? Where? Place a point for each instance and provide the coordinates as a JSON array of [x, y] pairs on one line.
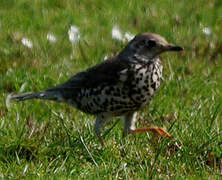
[[107, 72]]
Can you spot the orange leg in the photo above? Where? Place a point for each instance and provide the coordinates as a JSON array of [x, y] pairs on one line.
[[154, 129]]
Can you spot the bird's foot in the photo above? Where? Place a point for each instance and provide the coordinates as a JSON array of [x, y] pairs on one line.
[[160, 131]]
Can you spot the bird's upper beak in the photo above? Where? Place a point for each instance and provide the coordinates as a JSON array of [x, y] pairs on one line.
[[172, 47]]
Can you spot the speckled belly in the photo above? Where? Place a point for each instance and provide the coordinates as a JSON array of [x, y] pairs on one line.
[[130, 95]]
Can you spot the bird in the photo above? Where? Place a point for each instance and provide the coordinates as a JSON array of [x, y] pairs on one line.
[[118, 86]]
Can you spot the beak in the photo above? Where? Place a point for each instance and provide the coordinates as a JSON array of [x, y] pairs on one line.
[[172, 47]]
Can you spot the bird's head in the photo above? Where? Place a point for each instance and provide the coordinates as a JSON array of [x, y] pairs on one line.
[[147, 46]]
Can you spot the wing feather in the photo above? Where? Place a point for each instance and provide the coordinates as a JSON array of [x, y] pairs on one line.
[[107, 72]]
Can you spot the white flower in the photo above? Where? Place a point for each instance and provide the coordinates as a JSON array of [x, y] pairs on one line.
[[51, 37], [73, 34], [26, 42], [116, 34], [206, 30], [128, 36], [105, 58]]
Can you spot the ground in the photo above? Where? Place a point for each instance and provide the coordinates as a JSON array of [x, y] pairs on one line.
[[50, 140]]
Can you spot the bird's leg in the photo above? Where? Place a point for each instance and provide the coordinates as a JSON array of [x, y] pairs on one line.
[[97, 129], [129, 123], [129, 126], [100, 120]]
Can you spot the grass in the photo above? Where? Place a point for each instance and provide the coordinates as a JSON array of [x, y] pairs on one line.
[[47, 140]]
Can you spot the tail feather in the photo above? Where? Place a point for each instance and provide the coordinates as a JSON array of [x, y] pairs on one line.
[[50, 95]]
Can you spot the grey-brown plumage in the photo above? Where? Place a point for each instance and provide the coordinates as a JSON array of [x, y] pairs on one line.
[[118, 86]]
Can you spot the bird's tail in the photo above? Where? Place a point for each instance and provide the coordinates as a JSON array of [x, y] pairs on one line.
[[50, 95]]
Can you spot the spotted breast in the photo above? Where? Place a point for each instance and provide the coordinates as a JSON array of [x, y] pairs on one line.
[[135, 88]]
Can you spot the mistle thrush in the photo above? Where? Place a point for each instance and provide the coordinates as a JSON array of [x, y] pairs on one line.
[[118, 86]]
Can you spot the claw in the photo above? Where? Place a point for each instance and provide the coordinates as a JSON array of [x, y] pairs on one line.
[[154, 129]]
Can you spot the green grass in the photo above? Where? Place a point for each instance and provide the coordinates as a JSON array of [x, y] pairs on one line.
[[40, 139]]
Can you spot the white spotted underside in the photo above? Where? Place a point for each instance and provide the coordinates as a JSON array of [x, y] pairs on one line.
[[135, 88]]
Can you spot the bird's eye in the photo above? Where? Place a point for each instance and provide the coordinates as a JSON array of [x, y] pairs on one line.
[[139, 44], [142, 42], [151, 43]]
